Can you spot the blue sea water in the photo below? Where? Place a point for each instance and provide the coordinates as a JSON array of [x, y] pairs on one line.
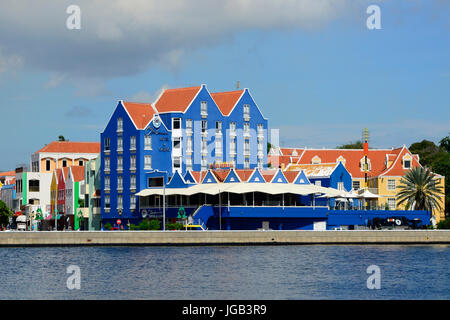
[[226, 272]]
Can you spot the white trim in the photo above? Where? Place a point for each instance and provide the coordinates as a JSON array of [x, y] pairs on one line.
[[235, 173]]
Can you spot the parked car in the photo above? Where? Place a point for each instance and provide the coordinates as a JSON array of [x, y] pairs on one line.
[[21, 222]]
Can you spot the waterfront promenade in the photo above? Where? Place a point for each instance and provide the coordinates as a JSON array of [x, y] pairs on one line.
[[114, 238]]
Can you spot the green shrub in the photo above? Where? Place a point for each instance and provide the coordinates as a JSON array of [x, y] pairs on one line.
[[133, 227], [149, 225], [107, 226], [174, 226], [444, 224]]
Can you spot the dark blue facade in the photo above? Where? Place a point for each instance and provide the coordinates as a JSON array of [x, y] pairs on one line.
[[163, 154]]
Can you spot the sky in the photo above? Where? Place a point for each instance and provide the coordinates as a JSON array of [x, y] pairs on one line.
[[314, 68]]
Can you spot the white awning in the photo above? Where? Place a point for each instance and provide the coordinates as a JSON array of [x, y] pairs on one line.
[[243, 187]]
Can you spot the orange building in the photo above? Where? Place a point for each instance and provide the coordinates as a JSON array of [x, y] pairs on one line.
[[60, 154], [385, 169]]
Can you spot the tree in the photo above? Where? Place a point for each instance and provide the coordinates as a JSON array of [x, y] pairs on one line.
[[5, 214], [352, 145], [445, 143], [61, 138], [428, 152], [419, 190]]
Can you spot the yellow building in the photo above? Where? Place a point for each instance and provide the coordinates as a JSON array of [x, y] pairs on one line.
[[385, 169]]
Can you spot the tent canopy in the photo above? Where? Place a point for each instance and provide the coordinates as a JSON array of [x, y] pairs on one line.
[[242, 187]]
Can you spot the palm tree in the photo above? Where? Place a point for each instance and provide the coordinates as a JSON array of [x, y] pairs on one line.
[[419, 190]]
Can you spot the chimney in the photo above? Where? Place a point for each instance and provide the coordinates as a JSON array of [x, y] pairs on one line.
[[238, 84]]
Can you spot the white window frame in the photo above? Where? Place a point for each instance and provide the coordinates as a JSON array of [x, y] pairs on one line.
[[148, 142], [132, 142], [147, 162], [391, 184]]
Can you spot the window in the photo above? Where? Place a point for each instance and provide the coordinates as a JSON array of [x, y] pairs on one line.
[[391, 203], [47, 165], [246, 163], [107, 163], [133, 162], [203, 163], [246, 111], [260, 164], [362, 164], [132, 201], [133, 143], [133, 181], [391, 184], [107, 201], [188, 163], [119, 201], [203, 108], [119, 182], [107, 182], [177, 143], [356, 185], [340, 186], [218, 127], [148, 142], [189, 144], [218, 146], [33, 185], [318, 183], [246, 129], [260, 131], [177, 163], [119, 163], [155, 182], [204, 126], [316, 160], [119, 124], [147, 162], [260, 147], [64, 163], [176, 123], [80, 162], [119, 144], [407, 164], [232, 128], [233, 146], [107, 144], [189, 125], [246, 147], [204, 147]]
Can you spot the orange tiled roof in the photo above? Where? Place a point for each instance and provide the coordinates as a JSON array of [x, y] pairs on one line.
[[221, 174], [290, 175], [7, 173], [71, 147], [244, 174], [176, 100], [226, 100], [77, 173], [141, 113], [352, 157]]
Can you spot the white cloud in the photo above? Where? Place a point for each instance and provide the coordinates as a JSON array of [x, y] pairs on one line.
[[122, 37], [381, 135]]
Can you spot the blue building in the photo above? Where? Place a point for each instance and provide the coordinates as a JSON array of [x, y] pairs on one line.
[[185, 129]]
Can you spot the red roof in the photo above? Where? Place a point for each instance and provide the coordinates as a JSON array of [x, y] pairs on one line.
[[221, 174], [351, 159], [71, 147], [244, 174], [176, 100], [226, 100], [140, 113], [8, 173], [77, 173]]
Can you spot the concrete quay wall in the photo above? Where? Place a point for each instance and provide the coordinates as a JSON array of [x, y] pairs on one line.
[[116, 238]]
